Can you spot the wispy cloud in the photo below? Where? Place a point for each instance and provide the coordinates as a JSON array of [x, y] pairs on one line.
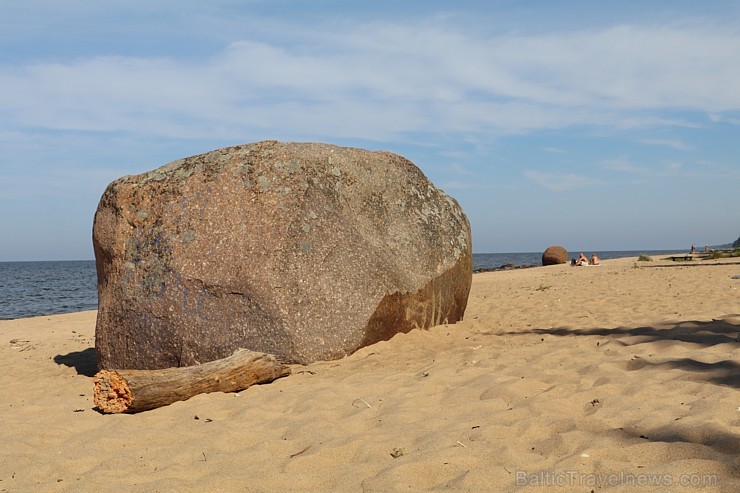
[[561, 182], [627, 166], [718, 118], [382, 81], [461, 170], [673, 144], [673, 167], [624, 165], [458, 185]]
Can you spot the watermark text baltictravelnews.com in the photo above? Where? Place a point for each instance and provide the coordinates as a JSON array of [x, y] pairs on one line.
[[577, 478]]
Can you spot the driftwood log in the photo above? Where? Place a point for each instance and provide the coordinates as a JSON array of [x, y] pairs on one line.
[[133, 391]]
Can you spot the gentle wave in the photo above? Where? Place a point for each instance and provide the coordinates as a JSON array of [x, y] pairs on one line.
[[29, 289]]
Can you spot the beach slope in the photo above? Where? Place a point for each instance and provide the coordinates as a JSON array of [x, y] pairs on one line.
[[621, 377]]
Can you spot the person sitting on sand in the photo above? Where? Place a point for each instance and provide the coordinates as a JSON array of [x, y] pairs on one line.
[[582, 260], [594, 259]]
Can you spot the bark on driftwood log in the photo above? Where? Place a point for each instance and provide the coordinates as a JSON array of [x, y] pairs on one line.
[[132, 391]]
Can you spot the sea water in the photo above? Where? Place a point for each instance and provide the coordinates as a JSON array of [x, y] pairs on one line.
[[29, 289]]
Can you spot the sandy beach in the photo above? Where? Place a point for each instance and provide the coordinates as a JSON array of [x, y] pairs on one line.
[[618, 377]]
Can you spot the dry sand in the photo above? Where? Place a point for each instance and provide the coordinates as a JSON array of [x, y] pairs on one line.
[[608, 378]]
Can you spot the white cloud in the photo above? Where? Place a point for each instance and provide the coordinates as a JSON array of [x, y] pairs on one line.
[[717, 118], [561, 182], [673, 167], [385, 81], [458, 185], [626, 166], [673, 144], [459, 169]]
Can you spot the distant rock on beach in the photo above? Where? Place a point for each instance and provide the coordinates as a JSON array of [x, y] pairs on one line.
[[305, 251], [555, 255]]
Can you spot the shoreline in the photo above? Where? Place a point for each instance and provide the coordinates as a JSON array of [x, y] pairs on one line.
[[506, 267], [57, 310]]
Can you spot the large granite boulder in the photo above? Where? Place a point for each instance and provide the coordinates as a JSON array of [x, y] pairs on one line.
[[555, 255], [305, 251]]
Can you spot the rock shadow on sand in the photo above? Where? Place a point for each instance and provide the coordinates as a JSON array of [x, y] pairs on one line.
[[702, 333], [725, 372], [84, 362], [706, 334], [712, 437]]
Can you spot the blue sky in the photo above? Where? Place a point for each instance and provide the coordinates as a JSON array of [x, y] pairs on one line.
[[590, 124]]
